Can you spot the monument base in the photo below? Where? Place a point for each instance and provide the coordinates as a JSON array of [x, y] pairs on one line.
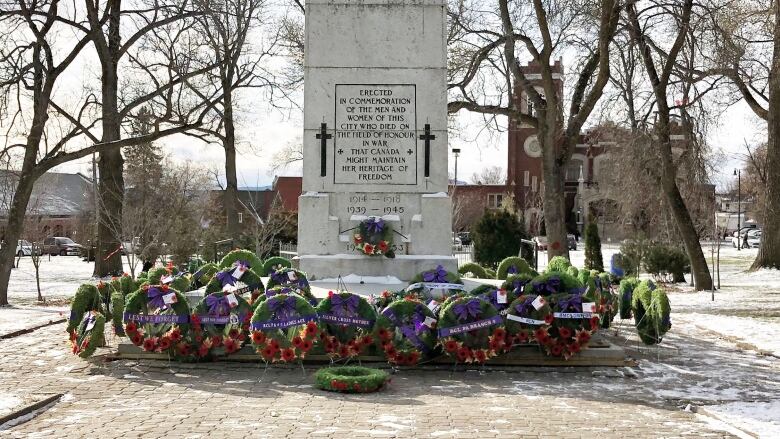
[[403, 267]]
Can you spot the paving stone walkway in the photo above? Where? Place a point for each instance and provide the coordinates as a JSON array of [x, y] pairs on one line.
[[156, 399]]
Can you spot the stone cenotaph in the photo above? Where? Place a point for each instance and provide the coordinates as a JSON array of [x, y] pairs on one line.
[[375, 136]]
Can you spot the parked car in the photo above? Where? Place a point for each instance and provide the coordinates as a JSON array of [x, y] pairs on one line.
[[456, 243], [744, 229], [753, 238], [541, 242], [571, 240], [465, 238], [60, 245], [23, 248]]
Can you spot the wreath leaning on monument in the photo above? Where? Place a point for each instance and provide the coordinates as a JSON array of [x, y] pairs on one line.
[[471, 330], [157, 319], [347, 321], [86, 337], [374, 238], [405, 331], [351, 379], [220, 324], [284, 328]]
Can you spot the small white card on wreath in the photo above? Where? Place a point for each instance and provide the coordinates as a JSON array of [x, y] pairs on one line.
[[170, 298], [231, 299], [501, 296], [588, 307], [239, 271], [538, 303], [291, 275], [433, 306], [165, 280], [229, 288], [430, 322], [90, 321]]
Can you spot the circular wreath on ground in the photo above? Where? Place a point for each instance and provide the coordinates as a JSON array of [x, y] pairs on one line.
[[157, 320], [405, 331], [516, 283], [87, 298], [220, 324], [347, 323], [500, 298], [245, 257], [529, 319], [471, 330], [275, 263], [284, 328], [574, 324], [513, 265], [203, 275], [292, 278], [86, 337], [553, 283], [351, 379], [239, 280], [435, 284], [374, 238]]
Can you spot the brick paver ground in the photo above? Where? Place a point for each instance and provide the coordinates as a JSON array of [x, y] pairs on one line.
[[154, 399]]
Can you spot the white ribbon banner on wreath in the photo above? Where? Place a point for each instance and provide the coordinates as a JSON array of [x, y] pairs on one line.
[[574, 315], [525, 320], [434, 286]]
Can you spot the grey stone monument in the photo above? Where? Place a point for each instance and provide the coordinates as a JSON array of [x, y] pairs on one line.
[[375, 136]]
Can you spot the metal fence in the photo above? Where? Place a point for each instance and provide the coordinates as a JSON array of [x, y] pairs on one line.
[[463, 253], [288, 250]]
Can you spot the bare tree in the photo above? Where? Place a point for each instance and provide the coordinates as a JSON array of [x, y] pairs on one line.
[[486, 77], [489, 175]]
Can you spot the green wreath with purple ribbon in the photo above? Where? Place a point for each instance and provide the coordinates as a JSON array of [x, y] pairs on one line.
[[245, 257], [529, 319], [573, 326], [247, 284], [220, 324], [500, 298], [88, 335], [87, 298], [471, 330], [552, 283], [294, 280], [405, 331], [374, 237], [516, 283], [284, 328], [203, 275], [347, 323], [157, 319], [435, 284]]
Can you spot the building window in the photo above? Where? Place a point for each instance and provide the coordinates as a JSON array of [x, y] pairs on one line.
[[526, 178], [240, 217], [529, 104], [495, 200], [573, 170], [534, 183]]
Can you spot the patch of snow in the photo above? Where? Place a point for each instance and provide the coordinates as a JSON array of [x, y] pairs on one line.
[[760, 418], [8, 402], [357, 279]]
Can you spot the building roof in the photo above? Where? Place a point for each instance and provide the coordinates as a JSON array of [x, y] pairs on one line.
[[54, 193]]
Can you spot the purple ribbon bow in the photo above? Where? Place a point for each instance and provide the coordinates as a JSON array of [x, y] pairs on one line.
[[464, 310], [218, 304], [282, 308], [526, 307], [518, 284], [375, 225], [551, 286], [240, 263], [344, 307], [437, 275], [226, 278], [418, 318], [284, 290], [492, 297], [280, 277], [512, 270], [573, 301], [155, 296]]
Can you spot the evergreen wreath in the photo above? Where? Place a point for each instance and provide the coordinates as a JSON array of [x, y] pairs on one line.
[[284, 328], [472, 270], [220, 324], [245, 257], [516, 283], [230, 280], [626, 291], [374, 237], [498, 297], [573, 326], [86, 337], [435, 284], [157, 320], [275, 263], [471, 330], [117, 308], [552, 283], [294, 279], [347, 322], [351, 379], [203, 275], [652, 313], [402, 332], [529, 319], [382, 300], [513, 265], [87, 298]]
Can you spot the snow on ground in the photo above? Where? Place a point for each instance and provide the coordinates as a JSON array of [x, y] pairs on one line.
[[760, 418]]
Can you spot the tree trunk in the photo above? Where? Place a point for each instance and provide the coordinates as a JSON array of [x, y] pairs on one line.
[[13, 231], [769, 252], [554, 199], [231, 177], [108, 260]]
